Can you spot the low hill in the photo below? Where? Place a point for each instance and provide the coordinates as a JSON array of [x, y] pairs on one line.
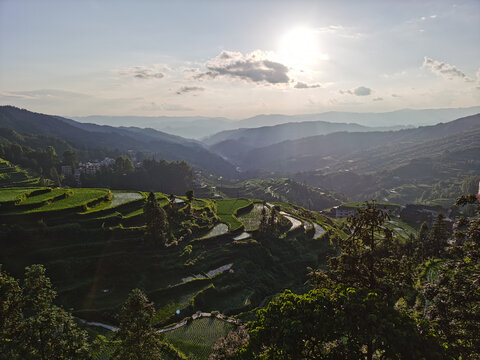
[[162, 145]]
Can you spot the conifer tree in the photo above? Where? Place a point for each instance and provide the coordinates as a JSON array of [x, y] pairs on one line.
[[156, 219], [437, 238], [139, 339]]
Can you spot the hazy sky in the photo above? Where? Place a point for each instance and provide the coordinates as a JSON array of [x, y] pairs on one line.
[[238, 58]]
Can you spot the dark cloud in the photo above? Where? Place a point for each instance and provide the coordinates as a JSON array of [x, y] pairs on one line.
[[142, 72], [445, 70], [301, 85], [251, 67], [359, 91], [187, 89]]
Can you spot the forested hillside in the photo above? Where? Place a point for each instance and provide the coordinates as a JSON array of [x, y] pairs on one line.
[[91, 136]]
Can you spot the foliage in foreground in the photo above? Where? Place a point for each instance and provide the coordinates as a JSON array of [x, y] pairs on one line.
[[139, 340], [31, 326], [363, 306]]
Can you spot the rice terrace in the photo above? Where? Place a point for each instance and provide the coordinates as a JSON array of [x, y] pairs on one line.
[[239, 180]]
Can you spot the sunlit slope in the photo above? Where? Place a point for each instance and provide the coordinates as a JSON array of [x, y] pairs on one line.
[[92, 243]]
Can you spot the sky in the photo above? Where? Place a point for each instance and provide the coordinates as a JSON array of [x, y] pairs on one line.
[[237, 59]]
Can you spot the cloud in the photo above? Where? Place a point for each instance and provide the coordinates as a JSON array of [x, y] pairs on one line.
[[255, 67], [187, 89], [359, 91], [339, 31], [445, 70], [378, 99], [142, 72], [43, 94], [302, 85]]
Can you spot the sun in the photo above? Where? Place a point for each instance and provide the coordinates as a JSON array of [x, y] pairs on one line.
[[300, 47]]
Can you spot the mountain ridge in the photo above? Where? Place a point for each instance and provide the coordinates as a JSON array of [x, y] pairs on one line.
[[162, 145]]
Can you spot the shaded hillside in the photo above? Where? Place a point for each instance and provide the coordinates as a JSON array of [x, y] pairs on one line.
[[318, 151], [435, 171], [162, 145], [268, 135], [286, 190]]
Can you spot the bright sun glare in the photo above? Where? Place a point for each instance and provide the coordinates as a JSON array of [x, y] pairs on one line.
[[300, 47]]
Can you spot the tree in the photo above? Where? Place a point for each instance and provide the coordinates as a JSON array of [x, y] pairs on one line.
[[225, 348], [11, 315], [139, 339], [189, 195], [421, 248], [156, 218], [271, 226], [370, 257], [437, 238], [123, 165], [453, 306], [372, 263], [44, 330], [335, 324], [70, 158]]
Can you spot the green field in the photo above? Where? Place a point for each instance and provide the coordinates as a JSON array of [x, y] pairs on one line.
[[48, 196], [252, 219], [8, 195], [119, 198], [197, 338], [227, 211], [78, 197]]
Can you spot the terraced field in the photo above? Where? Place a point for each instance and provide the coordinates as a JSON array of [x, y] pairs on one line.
[[251, 219], [227, 211], [95, 255], [13, 176], [45, 197], [13, 194], [197, 338], [77, 198]]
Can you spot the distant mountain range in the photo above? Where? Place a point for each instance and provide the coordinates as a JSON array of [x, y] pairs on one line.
[[232, 144], [202, 127], [324, 150], [84, 135]]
